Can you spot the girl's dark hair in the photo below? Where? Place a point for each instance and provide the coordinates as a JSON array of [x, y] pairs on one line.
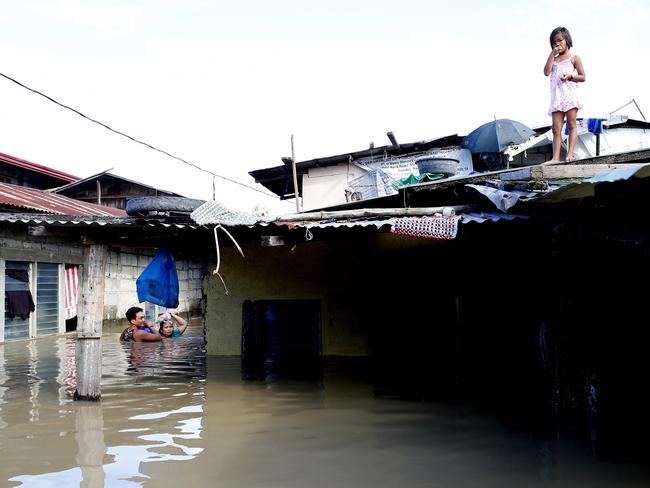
[[564, 32], [160, 326]]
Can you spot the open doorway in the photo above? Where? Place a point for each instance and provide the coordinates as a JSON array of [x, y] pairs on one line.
[[281, 337]]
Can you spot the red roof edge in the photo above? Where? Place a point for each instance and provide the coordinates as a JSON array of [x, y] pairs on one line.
[[38, 168]]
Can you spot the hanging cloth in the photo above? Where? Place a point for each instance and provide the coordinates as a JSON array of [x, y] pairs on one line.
[[18, 274], [20, 303], [158, 283], [595, 126], [71, 284]]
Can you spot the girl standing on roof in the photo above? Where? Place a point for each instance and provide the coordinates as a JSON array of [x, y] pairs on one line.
[[566, 72]]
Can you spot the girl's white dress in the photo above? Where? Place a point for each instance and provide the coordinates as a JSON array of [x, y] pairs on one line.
[[564, 94]]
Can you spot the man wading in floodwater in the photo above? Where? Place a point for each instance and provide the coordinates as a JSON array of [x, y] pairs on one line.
[[139, 330]]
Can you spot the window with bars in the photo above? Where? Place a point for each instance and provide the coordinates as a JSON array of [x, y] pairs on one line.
[[47, 299]]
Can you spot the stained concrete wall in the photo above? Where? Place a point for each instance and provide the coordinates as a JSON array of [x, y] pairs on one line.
[[34, 243], [353, 275]]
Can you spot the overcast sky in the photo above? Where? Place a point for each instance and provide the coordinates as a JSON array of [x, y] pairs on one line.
[[224, 84]]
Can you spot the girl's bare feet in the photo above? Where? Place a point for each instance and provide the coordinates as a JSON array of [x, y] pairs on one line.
[[552, 161], [570, 158]]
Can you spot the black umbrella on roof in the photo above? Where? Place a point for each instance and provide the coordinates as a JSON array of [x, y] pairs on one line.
[[495, 136]]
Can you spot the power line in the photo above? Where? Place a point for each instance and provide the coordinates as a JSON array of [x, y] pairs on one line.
[[137, 140]]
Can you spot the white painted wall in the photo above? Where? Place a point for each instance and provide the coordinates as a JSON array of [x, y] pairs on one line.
[[323, 187]]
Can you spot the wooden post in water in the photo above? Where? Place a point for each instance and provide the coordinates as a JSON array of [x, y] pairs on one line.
[[89, 326], [91, 447]]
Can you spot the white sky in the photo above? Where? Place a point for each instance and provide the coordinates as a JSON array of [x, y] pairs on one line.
[[224, 84]]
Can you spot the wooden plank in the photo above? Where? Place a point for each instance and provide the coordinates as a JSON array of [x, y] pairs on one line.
[[560, 171], [622, 159], [527, 173], [89, 328]]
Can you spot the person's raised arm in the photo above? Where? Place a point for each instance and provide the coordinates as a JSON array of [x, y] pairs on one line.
[[144, 336], [548, 67], [182, 323]]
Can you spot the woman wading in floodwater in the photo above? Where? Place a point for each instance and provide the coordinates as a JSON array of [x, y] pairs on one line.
[[167, 328]]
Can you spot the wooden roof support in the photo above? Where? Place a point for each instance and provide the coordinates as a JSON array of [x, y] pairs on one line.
[[89, 328], [560, 171]]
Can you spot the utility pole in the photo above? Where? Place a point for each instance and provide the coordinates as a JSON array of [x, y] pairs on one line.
[[295, 176]]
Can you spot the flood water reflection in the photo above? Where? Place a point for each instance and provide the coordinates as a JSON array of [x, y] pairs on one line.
[[170, 417]]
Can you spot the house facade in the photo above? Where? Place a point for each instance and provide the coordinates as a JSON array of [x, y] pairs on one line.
[[42, 244], [40, 255], [535, 304]]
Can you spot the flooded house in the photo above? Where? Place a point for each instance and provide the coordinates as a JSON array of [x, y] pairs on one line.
[[431, 319], [43, 236], [516, 288], [457, 285]]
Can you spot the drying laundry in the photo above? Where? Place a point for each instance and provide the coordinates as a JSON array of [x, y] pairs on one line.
[[20, 303]]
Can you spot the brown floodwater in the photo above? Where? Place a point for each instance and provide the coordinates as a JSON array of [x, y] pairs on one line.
[[171, 417]]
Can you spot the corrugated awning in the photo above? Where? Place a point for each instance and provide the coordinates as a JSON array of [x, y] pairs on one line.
[[466, 218], [80, 220]]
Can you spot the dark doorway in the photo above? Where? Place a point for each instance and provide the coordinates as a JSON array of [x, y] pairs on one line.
[[281, 337]]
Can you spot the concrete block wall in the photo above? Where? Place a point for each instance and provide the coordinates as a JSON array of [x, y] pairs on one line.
[[122, 270]]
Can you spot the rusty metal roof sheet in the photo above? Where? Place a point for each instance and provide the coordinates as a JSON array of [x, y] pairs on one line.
[[30, 198]]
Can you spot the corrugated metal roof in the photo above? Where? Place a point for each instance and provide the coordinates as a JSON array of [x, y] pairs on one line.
[[42, 201], [479, 217], [38, 168], [80, 220], [112, 221]]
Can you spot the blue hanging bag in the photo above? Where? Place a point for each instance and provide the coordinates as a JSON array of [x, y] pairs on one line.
[[158, 283]]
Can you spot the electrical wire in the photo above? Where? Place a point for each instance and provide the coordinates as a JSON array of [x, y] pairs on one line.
[[136, 140]]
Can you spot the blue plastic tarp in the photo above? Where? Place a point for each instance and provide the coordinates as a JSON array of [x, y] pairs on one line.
[[158, 283]]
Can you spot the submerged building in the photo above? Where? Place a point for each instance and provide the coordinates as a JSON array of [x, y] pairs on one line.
[[515, 287]]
